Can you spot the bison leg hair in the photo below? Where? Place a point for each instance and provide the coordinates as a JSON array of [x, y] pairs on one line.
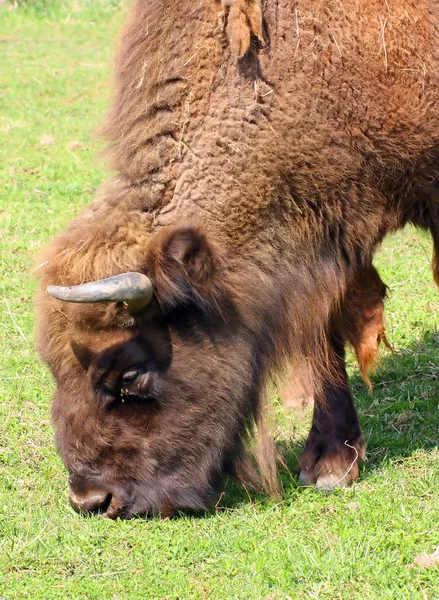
[[335, 443], [360, 323], [362, 319]]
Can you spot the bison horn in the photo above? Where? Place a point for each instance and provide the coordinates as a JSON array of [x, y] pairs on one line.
[[134, 289]]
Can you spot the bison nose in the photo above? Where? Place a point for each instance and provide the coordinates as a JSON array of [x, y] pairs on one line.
[[89, 501]]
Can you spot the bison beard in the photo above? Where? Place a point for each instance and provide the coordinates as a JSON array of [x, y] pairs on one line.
[[263, 151]]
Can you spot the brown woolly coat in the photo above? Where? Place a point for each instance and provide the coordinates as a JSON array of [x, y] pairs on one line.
[[296, 161], [295, 142]]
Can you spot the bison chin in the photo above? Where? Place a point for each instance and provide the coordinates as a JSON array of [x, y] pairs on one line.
[[163, 498]]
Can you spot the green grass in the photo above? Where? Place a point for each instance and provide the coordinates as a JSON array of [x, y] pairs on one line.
[[356, 543]]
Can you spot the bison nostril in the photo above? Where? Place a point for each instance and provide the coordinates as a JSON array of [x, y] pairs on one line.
[[89, 502]]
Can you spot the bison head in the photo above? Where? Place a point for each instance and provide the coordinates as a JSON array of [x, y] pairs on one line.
[[156, 377]]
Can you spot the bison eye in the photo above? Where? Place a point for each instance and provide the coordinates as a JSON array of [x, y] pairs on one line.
[[130, 376]]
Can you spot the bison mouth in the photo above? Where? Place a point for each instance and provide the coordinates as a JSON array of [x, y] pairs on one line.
[[87, 496], [97, 503], [148, 502]]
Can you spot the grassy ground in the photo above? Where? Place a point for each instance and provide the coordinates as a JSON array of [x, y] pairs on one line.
[[358, 543]]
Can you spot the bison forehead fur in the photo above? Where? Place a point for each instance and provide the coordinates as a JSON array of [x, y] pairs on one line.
[[262, 150]]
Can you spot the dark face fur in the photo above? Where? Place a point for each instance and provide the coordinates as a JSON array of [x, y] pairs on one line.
[[148, 417]]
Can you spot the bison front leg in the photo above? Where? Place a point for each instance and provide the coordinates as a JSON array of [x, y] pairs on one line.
[[335, 444]]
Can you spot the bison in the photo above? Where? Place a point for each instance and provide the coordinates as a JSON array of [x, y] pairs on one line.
[[262, 150]]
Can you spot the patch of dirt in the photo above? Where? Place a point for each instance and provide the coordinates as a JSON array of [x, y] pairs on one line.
[[427, 560]]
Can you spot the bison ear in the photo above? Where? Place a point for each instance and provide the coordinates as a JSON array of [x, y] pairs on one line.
[[186, 267]]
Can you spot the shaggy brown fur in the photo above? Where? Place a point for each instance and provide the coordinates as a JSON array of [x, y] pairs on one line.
[[253, 196], [362, 320], [361, 324], [244, 19]]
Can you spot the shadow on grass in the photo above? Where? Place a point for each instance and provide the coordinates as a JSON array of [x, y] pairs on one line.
[[401, 415], [398, 418]]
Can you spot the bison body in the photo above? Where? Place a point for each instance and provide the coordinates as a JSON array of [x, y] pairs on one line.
[[262, 153]]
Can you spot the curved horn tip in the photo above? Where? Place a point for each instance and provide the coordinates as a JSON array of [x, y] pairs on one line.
[[133, 289], [57, 291]]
